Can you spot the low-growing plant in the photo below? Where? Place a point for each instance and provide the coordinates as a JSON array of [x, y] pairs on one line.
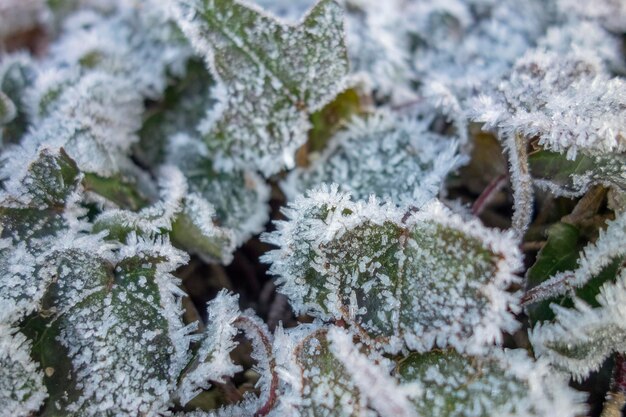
[[312, 208]]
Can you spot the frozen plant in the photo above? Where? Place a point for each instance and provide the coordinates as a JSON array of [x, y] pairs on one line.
[[312, 208]]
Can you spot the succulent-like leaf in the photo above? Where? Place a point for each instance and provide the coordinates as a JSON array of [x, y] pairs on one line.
[[21, 381], [274, 75], [498, 383], [17, 74], [581, 338], [117, 318], [418, 279], [393, 158]]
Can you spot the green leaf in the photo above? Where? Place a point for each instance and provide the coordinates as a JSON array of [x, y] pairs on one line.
[[104, 318], [7, 109], [418, 279], [566, 177], [274, 76], [498, 383]]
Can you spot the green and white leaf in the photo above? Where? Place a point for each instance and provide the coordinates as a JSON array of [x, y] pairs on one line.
[[240, 198], [189, 219], [417, 279], [581, 338], [21, 381], [37, 212], [608, 248], [115, 321], [498, 383], [394, 158], [272, 74], [320, 379]]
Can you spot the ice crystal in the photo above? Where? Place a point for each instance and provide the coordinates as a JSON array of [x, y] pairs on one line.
[[582, 337], [398, 277], [274, 75], [393, 158]]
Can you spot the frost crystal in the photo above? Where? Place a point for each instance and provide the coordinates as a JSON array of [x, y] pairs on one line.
[[426, 278], [274, 75], [581, 338], [393, 158]]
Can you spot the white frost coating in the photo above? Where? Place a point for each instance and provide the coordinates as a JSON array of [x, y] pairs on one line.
[[581, 338], [596, 256], [394, 158], [274, 74], [21, 381], [565, 100], [373, 380], [213, 361], [419, 280]]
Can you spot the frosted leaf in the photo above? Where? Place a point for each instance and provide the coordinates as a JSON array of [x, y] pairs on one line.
[[94, 118], [581, 338], [372, 378], [572, 178], [212, 361], [239, 198], [274, 75], [499, 383], [35, 211], [136, 36], [117, 318], [316, 383], [564, 100], [470, 46], [188, 217], [421, 279], [21, 388], [396, 159], [19, 16], [607, 249], [183, 106], [377, 49]]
